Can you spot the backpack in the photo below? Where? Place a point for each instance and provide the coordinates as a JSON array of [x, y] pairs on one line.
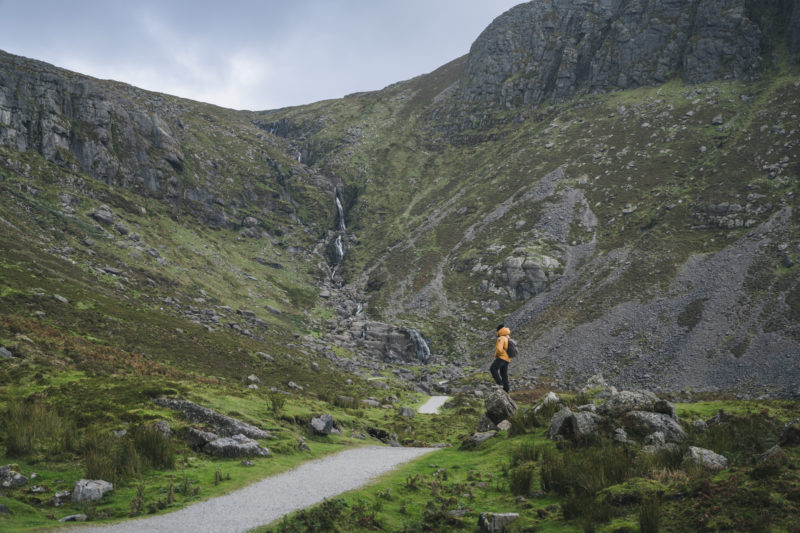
[[512, 349]]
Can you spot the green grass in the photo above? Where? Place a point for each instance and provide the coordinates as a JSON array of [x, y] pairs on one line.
[[602, 488]]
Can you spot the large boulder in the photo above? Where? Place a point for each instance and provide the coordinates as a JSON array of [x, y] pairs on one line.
[[580, 426], [485, 424], [90, 490], [235, 446], [10, 478], [586, 424], [665, 407], [103, 214], [324, 425], [495, 522], [706, 458], [477, 438], [626, 401], [561, 423], [407, 412], [499, 406], [644, 423], [550, 399]]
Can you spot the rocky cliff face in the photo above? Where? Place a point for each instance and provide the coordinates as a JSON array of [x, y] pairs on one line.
[[552, 49], [72, 119], [211, 162]]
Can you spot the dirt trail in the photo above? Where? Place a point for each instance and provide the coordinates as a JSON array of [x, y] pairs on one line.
[[431, 407], [273, 497]]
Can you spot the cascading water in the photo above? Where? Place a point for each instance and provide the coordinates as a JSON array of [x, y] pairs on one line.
[[339, 208], [338, 250], [420, 346]]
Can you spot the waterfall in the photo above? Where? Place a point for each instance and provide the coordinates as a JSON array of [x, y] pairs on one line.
[[341, 214], [420, 346], [338, 249], [359, 308]]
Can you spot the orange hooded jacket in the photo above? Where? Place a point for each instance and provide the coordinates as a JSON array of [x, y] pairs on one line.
[[502, 345]]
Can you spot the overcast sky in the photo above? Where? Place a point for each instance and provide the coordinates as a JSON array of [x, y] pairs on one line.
[[247, 54]]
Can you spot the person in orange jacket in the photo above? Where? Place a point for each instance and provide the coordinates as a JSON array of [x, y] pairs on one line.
[[499, 368]]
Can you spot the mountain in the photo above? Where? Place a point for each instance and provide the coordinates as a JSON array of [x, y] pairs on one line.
[[615, 180]]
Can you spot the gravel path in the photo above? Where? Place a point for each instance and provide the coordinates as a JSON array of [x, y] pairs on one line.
[[273, 497], [431, 407]]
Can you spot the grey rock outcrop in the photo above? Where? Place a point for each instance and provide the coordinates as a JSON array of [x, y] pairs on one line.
[[706, 458], [485, 424], [103, 214], [644, 423], [528, 273], [383, 436], [324, 425], [235, 446], [495, 522], [197, 438], [74, 518], [560, 423], [499, 406], [555, 48], [580, 425], [391, 343], [225, 425], [478, 438], [406, 412], [5, 353], [626, 401], [90, 490], [10, 478]]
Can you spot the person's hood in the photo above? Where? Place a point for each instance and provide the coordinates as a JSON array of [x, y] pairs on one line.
[[503, 331]]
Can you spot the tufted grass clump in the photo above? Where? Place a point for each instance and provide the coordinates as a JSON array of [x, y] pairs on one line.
[[650, 515], [584, 471], [31, 427], [110, 458], [277, 402], [526, 451], [117, 459], [521, 479], [740, 438], [155, 448]]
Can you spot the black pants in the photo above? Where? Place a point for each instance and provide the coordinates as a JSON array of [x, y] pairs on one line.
[[499, 370]]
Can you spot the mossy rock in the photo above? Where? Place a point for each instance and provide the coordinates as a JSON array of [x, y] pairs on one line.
[[632, 491]]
